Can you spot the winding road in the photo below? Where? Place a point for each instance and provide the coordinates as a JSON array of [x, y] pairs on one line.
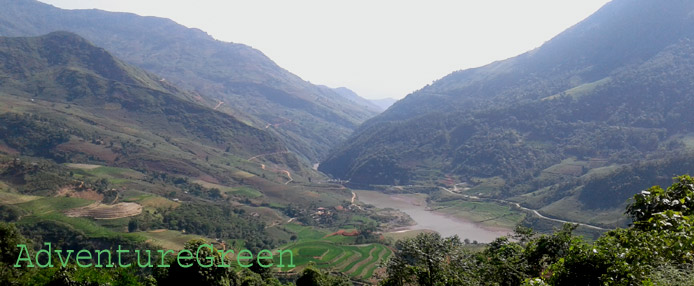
[[538, 214], [262, 166], [557, 220]]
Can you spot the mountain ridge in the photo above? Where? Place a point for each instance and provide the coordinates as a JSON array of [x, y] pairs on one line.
[[63, 68], [235, 78], [596, 97]]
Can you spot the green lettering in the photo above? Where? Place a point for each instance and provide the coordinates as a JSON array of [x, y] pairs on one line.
[[179, 257], [211, 258], [60, 256], [163, 254], [149, 258], [23, 248], [120, 251], [47, 252], [291, 258], [87, 257], [98, 258], [246, 257], [260, 257], [224, 256]]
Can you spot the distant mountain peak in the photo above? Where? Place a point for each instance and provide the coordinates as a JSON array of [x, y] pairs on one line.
[[613, 90]]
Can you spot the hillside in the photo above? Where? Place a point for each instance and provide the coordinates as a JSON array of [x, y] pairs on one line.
[[107, 111], [95, 153], [604, 98], [233, 78]]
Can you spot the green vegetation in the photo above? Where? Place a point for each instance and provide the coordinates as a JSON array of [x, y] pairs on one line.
[[487, 213], [63, 90], [355, 261], [241, 80], [334, 253], [656, 250], [30, 134], [570, 133], [573, 119]]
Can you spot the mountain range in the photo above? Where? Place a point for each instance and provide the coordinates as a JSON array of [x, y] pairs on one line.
[[233, 78], [112, 112], [118, 129], [604, 101]]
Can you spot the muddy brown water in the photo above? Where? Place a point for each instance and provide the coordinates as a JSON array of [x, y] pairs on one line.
[[446, 225]]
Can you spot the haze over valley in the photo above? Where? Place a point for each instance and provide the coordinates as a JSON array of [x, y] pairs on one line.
[[120, 130]]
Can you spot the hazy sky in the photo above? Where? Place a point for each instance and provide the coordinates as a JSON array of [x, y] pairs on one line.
[[378, 48]]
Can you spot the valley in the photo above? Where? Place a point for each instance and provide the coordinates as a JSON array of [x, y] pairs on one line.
[[541, 169], [425, 219]]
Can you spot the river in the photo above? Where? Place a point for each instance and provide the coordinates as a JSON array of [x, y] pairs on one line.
[[415, 207]]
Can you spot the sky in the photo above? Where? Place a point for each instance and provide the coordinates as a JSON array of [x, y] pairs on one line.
[[377, 48]]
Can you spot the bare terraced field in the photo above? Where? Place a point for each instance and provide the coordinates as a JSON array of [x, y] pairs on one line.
[[102, 211]]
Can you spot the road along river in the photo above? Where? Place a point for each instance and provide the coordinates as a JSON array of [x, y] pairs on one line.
[[415, 207]]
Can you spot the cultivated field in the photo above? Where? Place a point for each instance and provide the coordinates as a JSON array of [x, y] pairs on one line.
[[102, 211], [333, 253]]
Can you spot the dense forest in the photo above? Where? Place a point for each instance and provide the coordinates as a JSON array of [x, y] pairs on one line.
[[602, 101]]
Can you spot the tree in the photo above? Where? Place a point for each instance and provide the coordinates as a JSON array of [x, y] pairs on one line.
[[311, 276], [9, 238], [196, 274], [649, 203], [662, 234], [429, 259]]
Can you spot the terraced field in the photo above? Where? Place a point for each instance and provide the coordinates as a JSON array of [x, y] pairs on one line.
[[357, 261], [102, 211], [169, 239]]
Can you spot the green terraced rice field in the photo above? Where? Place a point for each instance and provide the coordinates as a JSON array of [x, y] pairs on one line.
[[357, 261]]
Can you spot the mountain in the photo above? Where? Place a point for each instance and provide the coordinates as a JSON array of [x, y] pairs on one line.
[[603, 101], [95, 153], [354, 97], [233, 78], [374, 104], [384, 103], [87, 105]]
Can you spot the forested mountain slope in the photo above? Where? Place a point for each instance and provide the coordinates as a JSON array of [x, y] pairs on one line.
[[614, 90], [77, 93], [235, 78]]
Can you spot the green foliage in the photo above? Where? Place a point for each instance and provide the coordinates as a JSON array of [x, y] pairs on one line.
[[197, 274], [220, 221], [659, 246], [64, 68], [429, 259], [611, 103], [671, 275], [313, 277], [30, 134], [678, 198], [9, 238], [613, 188], [34, 176]]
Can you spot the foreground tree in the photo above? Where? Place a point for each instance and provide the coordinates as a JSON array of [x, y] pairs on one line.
[[195, 274], [658, 247], [311, 276], [429, 259], [662, 236]]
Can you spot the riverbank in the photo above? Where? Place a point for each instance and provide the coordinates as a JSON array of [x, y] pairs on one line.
[[415, 206]]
